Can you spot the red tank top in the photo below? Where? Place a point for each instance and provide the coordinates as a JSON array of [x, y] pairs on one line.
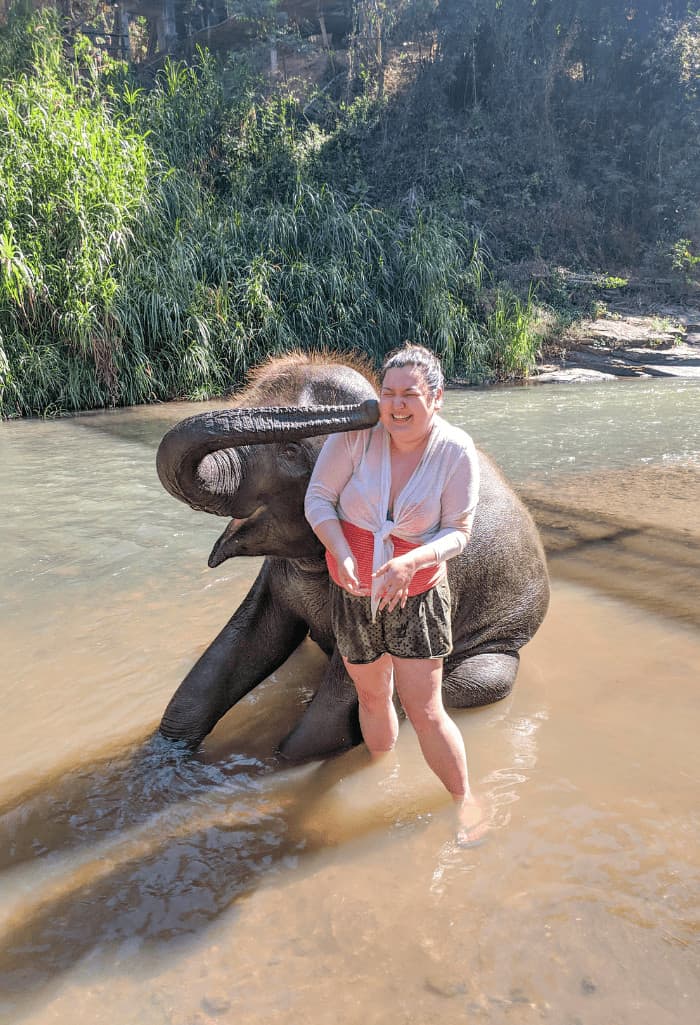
[[362, 547]]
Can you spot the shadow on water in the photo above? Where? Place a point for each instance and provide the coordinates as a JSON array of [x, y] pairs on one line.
[[656, 569], [144, 425], [91, 802], [78, 806], [168, 841], [207, 850]]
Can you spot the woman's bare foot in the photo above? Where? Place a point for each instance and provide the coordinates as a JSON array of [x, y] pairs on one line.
[[473, 822]]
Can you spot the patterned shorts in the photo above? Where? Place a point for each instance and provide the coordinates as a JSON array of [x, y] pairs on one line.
[[420, 630]]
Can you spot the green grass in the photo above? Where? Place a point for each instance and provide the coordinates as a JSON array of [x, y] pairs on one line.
[[158, 243], [72, 181]]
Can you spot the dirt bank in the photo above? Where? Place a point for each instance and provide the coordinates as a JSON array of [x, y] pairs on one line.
[[629, 339], [634, 534]]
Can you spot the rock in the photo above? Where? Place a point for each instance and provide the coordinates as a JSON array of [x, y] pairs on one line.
[[627, 343], [444, 987], [588, 986], [215, 1004], [571, 375]]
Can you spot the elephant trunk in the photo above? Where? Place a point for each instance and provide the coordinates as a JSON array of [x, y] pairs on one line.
[[198, 461]]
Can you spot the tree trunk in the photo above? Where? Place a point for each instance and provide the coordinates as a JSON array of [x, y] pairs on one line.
[[324, 34], [167, 35]]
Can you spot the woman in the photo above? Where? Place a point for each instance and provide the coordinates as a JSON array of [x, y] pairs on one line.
[[391, 505]]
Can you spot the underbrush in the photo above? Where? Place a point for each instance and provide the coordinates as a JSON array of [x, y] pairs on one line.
[[158, 243]]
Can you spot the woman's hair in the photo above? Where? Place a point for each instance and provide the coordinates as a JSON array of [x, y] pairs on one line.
[[425, 362]]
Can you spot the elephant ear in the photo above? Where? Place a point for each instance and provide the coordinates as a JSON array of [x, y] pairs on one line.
[[187, 461]]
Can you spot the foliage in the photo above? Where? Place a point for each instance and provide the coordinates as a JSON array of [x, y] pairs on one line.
[[160, 235], [73, 180], [684, 260], [512, 340], [314, 272], [567, 129], [182, 113], [160, 242]]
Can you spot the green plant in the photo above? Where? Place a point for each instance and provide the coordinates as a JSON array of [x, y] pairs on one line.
[[511, 335], [73, 182], [157, 242], [683, 259]]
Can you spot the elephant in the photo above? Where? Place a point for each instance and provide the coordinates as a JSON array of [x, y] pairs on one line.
[[252, 463]]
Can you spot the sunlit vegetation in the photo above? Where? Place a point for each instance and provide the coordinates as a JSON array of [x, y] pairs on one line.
[[73, 184], [161, 232], [157, 243]]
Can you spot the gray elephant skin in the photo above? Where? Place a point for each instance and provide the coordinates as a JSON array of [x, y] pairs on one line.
[[252, 463]]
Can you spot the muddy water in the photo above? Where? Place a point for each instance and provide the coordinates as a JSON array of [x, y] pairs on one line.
[[142, 885]]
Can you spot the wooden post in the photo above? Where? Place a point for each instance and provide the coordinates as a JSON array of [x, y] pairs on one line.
[[324, 34], [124, 37], [167, 33]]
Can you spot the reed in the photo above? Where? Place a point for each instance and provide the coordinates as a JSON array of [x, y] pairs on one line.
[[72, 182], [157, 244], [512, 339]]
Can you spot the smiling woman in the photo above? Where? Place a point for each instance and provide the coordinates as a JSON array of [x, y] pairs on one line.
[[391, 506]]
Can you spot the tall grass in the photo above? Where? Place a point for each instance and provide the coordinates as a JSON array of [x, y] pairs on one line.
[[156, 244], [512, 341], [73, 180], [230, 288]]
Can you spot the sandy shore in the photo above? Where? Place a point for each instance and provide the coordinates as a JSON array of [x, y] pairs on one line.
[[634, 534]]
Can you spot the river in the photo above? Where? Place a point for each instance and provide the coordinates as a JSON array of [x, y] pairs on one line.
[[139, 884]]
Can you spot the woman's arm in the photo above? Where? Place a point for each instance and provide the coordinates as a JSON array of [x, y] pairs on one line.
[[396, 574], [332, 472]]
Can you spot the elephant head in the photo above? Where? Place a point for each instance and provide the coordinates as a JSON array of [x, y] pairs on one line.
[[253, 463]]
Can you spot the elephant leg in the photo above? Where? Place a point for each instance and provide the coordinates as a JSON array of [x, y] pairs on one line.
[[331, 722], [257, 639], [470, 681]]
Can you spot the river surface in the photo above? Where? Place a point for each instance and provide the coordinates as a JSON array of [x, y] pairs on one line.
[[142, 885]]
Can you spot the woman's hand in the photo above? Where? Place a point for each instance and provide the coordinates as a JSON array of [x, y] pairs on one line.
[[330, 534], [348, 578], [395, 578]]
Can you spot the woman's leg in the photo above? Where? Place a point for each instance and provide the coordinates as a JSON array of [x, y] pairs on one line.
[[375, 689], [419, 685]]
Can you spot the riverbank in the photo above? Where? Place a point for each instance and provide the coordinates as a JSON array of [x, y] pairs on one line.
[[633, 534], [631, 338]]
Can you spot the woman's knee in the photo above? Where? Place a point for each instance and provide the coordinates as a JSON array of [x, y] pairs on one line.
[[425, 715], [374, 700], [419, 685], [373, 682]]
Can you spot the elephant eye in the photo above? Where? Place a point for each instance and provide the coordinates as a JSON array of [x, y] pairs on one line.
[[295, 459]]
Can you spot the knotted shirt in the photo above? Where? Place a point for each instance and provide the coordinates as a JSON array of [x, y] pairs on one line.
[[352, 482]]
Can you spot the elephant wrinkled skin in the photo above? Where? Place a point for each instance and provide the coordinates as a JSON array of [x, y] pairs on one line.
[[252, 463]]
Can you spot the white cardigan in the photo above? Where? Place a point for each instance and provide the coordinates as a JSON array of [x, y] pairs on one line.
[[352, 480]]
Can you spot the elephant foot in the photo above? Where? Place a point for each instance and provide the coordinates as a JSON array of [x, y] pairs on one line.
[[307, 741], [475, 680], [330, 723], [175, 732], [182, 722]]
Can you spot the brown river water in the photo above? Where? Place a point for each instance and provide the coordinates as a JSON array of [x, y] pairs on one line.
[[142, 885]]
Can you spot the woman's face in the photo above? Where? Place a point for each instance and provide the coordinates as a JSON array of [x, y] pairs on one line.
[[406, 409]]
